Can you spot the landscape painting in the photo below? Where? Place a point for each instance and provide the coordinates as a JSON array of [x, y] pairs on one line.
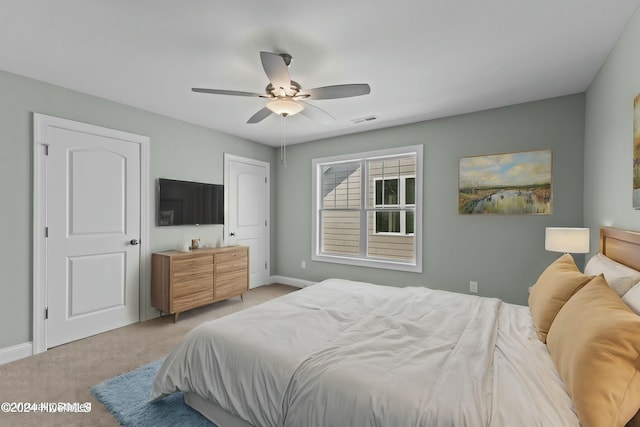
[[508, 184], [636, 152]]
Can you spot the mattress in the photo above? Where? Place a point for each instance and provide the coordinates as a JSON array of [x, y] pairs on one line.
[[350, 353]]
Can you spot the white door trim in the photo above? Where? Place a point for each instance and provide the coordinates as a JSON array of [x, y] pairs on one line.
[[40, 124], [231, 157]]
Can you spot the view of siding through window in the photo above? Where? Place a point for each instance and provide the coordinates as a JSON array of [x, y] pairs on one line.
[[341, 208], [389, 208]]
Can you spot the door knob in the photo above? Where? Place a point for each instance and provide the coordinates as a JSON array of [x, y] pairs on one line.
[[133, 242], [232, 234]]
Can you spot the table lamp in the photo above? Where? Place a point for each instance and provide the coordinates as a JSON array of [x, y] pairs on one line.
[[567, 240]]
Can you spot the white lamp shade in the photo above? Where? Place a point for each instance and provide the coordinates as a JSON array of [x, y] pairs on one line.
[[567, 240], [285, 106]]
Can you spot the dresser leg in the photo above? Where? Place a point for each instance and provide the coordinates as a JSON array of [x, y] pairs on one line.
[[241, 297], [175, 317]]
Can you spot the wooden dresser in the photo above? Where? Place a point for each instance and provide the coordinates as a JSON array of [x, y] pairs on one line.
[[181, 281]]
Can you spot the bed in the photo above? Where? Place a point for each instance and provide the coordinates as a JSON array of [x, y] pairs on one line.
[[342, 353]]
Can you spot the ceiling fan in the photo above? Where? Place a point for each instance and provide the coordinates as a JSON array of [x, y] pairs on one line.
[[286, 97]]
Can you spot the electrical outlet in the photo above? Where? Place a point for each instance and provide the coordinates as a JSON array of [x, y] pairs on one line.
[[473, 287], [303, 264]]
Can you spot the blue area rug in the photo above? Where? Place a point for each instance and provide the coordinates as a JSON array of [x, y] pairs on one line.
[[127, 398]]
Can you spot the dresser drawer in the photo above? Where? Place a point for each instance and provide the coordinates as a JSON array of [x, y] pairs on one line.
[[231, 262], [193, 299], [190, 268], [231, 256], [228, 289], [236, 278], [199, 285]]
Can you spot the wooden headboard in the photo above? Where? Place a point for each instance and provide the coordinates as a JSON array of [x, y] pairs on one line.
[[622, 246]]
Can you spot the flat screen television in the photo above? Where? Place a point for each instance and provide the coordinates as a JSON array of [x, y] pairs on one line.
[[189, 203]]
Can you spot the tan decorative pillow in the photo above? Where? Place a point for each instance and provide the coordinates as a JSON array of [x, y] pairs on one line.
[[594, 344], [554, 287]]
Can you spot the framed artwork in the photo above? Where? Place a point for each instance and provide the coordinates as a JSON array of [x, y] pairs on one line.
[[636, 152], [507, 184]]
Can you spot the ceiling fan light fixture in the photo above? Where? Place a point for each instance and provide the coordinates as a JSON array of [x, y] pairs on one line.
[[285, 106], [284, 96]]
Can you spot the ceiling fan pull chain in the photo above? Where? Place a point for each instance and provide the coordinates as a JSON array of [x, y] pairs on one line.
[[283, 144]]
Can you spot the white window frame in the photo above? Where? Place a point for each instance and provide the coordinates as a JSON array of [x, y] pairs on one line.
[[401, 206], [362, 260]]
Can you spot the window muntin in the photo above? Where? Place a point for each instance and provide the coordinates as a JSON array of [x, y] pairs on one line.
[[365, 209]]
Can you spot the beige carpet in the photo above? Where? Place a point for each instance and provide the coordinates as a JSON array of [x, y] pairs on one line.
[[65, 373]]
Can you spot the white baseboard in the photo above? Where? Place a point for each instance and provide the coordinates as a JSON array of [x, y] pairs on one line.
[[264, 282], [291, 281], [15, 352]]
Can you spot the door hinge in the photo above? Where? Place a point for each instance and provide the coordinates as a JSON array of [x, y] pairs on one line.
[[46, 313], [265, 222], [265, 179], [46, 149], [265, 265], [46, 232]]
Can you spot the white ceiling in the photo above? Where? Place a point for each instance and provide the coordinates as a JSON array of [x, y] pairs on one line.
[[423, 59]]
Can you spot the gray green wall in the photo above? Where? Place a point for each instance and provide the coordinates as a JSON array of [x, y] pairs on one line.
[[177, 150], [505, 254], [608, 151]]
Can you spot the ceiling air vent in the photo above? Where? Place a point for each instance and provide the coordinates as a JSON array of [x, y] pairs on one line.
[[364, 119]]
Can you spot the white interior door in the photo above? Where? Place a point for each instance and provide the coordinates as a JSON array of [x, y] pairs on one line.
[[247, 219], [93, 222]]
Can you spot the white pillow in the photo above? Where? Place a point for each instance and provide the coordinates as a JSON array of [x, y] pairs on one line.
[[619, 277], [632, 298]]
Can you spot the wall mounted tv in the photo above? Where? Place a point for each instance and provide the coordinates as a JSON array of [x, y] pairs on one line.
[[189, 203]]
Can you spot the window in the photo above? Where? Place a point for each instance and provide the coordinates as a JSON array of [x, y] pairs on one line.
[[395, 192], [367, 209]]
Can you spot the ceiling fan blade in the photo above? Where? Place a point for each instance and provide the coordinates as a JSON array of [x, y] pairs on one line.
[[260, 115], [276, 70], [338, 91], [224, 92], [315, 113]]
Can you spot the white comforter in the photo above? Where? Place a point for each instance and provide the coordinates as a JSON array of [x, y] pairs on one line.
[[346, 353]]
